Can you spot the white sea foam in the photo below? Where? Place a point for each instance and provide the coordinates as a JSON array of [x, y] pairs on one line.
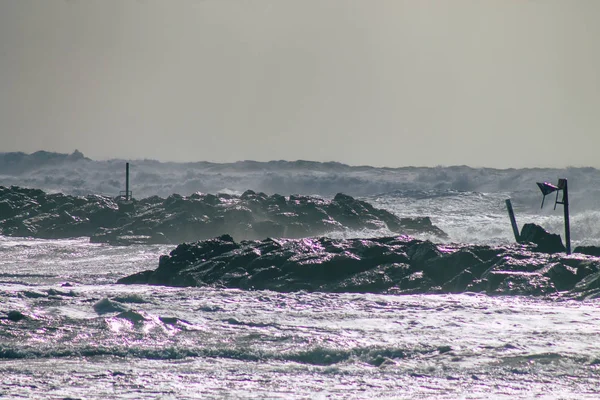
[[77, 175], [85, 337], [214, 343], [467, 203]]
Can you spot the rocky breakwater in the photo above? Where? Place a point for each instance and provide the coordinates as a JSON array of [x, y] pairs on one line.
[[393, 265], [176, 219]]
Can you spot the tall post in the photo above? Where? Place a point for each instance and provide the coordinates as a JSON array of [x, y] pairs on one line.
[[562, 183], [127, 182], [513, 221], [548, 188]]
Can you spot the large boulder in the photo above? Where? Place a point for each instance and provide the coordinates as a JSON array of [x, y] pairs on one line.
[[546, 242], [519, 283], [562, 276], [445, 268], [589, 250]]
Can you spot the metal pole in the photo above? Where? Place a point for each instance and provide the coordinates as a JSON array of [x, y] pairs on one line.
[[127, 181], [567, 223], [513, 221]]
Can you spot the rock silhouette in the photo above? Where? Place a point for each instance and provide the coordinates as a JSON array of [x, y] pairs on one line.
[[394, 265], [177, 219], [545, 241]]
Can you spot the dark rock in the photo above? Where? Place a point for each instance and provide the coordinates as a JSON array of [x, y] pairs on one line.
[[477, 286], [376, 280], [590, 282], [7, 209], [248, 194], [15, 316], [106, 306], [459, 283], [177, 219], [518, 262], [562, 276], [138, 278], [585, 268], [486, 253], [411, 226], [519, 283], [395, 265], [417, 282], [422, 252], [546, 242], [445, 268], [589, 250], [589, 295]]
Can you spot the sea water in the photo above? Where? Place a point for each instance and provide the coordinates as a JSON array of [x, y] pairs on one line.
[[74, 333]]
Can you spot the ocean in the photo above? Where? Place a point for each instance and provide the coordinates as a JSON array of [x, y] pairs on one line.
[[69, 332]]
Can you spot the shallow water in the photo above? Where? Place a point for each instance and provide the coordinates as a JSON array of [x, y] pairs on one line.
[[85, 337]]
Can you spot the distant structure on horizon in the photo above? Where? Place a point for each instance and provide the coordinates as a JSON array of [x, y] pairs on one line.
[[126, 197]]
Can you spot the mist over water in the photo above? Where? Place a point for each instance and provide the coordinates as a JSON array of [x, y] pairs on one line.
[[76, 174], [482, 218], [68, 331], [467, 203]]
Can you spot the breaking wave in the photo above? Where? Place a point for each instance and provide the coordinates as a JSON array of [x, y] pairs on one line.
[[76, 174]]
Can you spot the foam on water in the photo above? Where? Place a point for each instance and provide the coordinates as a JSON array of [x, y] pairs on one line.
[[468, 203], [149, 341], [472, 217], [69, 332], [81, 176]]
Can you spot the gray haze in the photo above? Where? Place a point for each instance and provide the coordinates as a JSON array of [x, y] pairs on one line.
[[504, 83]]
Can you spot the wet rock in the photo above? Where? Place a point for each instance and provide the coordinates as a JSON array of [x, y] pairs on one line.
[[589, 250], [422, 252], [32, 294], [137, 278], [589, 295], [394, 265], [584, 267], [411, 226], [562, 276], [264, 229], [376, 280], [7, 209], [15, 316], [417, 282], [519, 262], [590, 282], [105, 306], [445, 268], [134, 317], [519, 283], [177, 219], [459, 283], [173, 321], [60, 293], [478, 285], [546, 242]]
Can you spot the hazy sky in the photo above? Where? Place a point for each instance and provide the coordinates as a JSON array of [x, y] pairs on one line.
[[498, 83]]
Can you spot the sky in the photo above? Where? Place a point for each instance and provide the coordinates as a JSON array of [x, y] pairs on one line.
[[497, 83]]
